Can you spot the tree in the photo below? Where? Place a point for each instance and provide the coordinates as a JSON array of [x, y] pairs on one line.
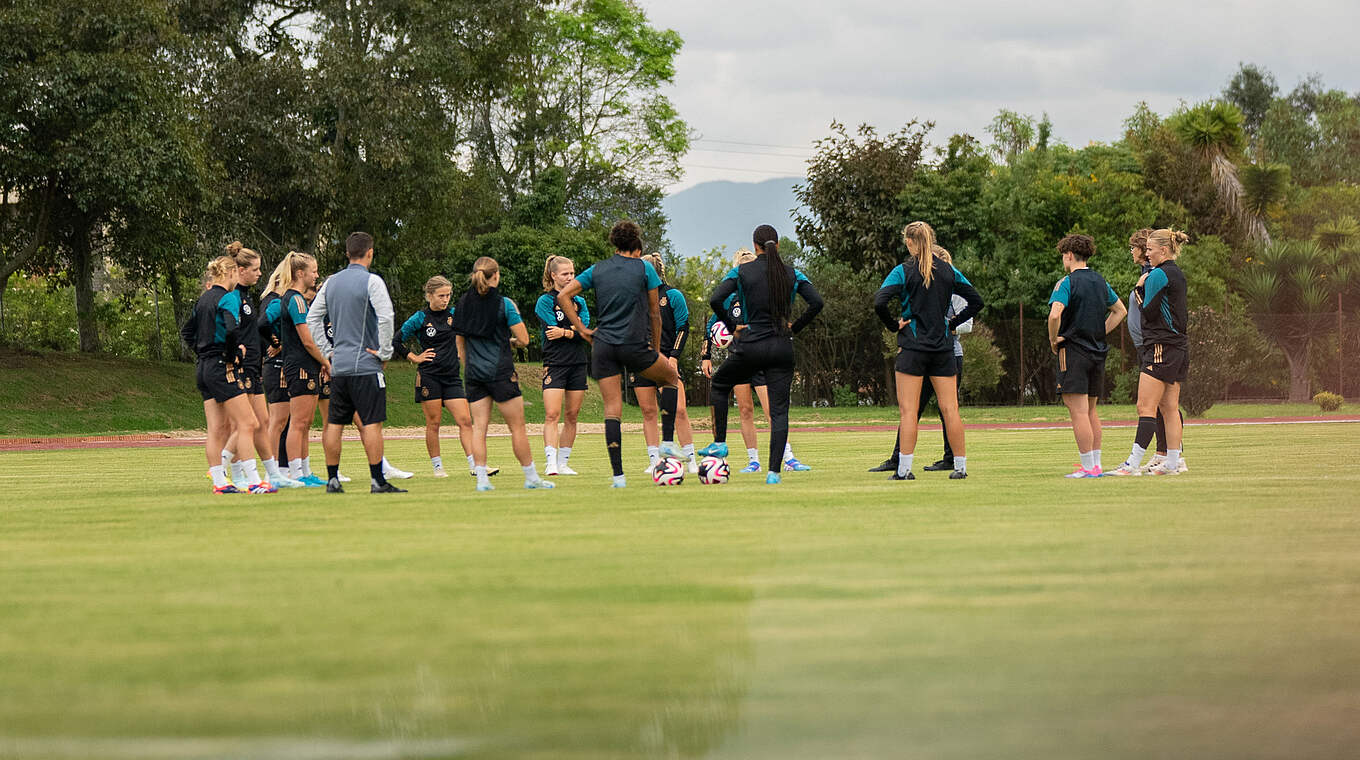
[[1214, 131], [1013, 134], [1252, 89]]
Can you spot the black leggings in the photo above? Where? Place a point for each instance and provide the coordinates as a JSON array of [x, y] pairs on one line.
[[927, 392], [774, 357]]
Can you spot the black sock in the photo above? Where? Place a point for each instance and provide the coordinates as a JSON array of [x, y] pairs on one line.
[[1182, 416], [720, 404], [897, 445], [1161, 432], [283, 445], [332, 471], [375, 472], [669, 398], [1147, 428], [613, 440]]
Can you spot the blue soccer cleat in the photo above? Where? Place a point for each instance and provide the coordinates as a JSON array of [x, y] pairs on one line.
[[618, 481], [751, 467], [312, 481], [772, 479], [540, 483], [718, 450], [485, 487], [793, 465]]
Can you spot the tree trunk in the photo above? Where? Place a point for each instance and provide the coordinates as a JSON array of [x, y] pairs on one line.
[[180, 310], [1297, 358], [82, 269]]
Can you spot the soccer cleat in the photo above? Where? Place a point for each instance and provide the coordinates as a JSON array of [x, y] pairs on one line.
[[262, 487], [1155, 461], [1162, 469], [312, 481], [649, 469], [439, 472], [693, 466], [490, 472], [1182, 467], [669, 449], [772, 479], [540, 483], [939, 465], [228, 488], [958, 475], [889, 465], [618, 481], [563, 469], [1124, 470], [908, 476], [392, 471], [485, 487], [385, 488], [793, 465], [714, 450], [283, 481], [551, 470], [333, 486], [342, 477], [1083, 473], [751, 467]]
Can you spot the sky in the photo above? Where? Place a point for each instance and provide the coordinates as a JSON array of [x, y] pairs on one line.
[[758, 82]]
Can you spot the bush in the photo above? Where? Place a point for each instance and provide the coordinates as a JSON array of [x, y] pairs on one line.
[[844, 395], [1328, 402], [1214, 359], [982, 368]]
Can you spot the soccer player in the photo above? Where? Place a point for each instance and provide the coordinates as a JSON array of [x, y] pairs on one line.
[[1083, 309], [488, 326], [674, 334], [271, 335], [1138, 250], [564, 365], [438, 382], [213, 331], [763, 340], [360, 312], [303, 367], [627, 298], [945, 463], [1165, 362], [925, 286]]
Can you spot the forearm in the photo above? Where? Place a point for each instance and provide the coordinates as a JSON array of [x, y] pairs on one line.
[[883, 308], [564, 301], [1054, 322], [815, 304]]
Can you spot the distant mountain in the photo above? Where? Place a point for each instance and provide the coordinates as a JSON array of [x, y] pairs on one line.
[[724, 213]]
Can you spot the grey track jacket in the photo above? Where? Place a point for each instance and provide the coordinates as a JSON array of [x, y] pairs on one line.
[[361, 315]]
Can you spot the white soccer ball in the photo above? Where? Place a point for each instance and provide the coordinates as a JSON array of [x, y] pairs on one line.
[[714, 470], [722, 337], [669, 471]]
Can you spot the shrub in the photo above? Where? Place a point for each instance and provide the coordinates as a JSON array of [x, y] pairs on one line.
[[1214, 359], [1328, 402], [982, 368], [844, 395]]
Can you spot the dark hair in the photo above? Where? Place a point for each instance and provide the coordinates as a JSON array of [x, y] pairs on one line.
[[357, 244], [1082, 247], [766, 240], [626, 236]]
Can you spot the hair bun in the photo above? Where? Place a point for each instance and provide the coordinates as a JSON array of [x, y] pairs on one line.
[[234, 247], [1182, 238]]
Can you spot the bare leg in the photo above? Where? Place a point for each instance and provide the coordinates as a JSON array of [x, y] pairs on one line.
[[573, 411], [552, 413], [462, 416], [1170, 406], [947, 396], [684, 434], [1080, 409], [264, 445], [513, 413], [651, 426], [301, 410], [746, 409], [372, 437], [434, 414], [242, 421], [1094, 421], [481, 420], [908, 401], [331, 442], [214, 414]]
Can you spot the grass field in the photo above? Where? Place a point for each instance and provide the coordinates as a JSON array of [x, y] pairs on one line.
[[1014, 614]]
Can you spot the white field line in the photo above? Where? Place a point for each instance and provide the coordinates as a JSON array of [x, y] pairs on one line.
[[226, 748]]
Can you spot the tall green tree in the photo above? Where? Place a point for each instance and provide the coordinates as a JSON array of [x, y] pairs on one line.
[[1214, 131]]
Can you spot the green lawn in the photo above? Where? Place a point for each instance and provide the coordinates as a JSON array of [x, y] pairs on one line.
[[839, 615]]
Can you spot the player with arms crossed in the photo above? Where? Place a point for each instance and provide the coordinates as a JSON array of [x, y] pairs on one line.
[[564, 365]]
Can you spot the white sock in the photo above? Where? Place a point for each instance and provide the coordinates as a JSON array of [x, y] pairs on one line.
[[1087, 461], [306, 466], [563, 454], [653, 453], [238, 473], [437, 462], [904, 464], [252, 473], [1173, 459], [1095, 458], [1136, 456], [530, 473], [472, 464], [480, 472], [550, 454], [219, 476], [960, 463], [227, 456], [295, 469], [688, 451], [271, 468], [752, 455], [788, 451]]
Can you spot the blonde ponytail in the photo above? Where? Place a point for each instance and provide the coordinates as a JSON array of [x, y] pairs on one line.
[[285, 274], [221, 267], [919, 238], [1172, 240], [550, 268], [655, 260], [482, 271]]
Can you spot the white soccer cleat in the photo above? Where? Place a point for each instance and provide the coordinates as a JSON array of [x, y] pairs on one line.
[[283, 481], [392, 471], [693, 466], [1182, 467], [1154, 462], [342, 477], [438, 472], [563, 469], [649, 469], [1162, 469], [552, 469], [1124, 470]]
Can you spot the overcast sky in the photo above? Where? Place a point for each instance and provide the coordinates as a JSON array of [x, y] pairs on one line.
[[776, 73]]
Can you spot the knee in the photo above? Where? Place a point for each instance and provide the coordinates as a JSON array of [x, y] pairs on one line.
[[571, 415], [551, 416]]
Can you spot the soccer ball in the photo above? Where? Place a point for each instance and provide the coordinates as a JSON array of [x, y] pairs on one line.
[[714, 470], [669, 471], [722, 337]]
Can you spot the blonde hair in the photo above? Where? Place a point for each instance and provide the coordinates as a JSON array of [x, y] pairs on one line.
[[483, 269], [221, 267], [242, 255], [285, 274], [919, 238], [550, 269], [943, 255], [742, 256], [1172, 240], [655, 260], [433, 284]]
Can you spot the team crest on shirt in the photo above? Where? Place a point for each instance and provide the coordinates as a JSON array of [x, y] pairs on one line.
[[664, 300], [450, 320], [558, 313], [429, 331], [245, 307], [736, 311], [330, 332]]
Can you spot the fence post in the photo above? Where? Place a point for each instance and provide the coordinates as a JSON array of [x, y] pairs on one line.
[[1340, 351], [160, 342], [1022, 354]]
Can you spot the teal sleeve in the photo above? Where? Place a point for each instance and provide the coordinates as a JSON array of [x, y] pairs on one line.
[[271, 312], [1156, 280], [1062, 292], [653, 281], [297, 310], [412, 325], [587, 278], [512, 316], [679, 308], [731, 275], [1110, 297], [545, 310], [231, 304], [959, 276], [585, 311], [894, 279]]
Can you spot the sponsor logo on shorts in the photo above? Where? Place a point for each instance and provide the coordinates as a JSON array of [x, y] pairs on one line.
[[311, 385], [425, 392], [547, 380], [248, 383]]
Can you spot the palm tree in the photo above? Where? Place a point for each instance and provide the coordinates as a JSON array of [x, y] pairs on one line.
[[1214, 130]]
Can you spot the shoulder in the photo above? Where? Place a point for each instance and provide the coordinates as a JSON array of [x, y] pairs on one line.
[[732, 273]]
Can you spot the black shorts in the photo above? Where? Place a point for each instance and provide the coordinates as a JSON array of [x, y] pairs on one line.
[[500, 391], [926, 363], [1080, 372], [568, 377], [217, 380], [431, 387], [1170, 364], [365, 395], [275, 387], [325, 394], [302, 382], [251, 375], [609, 360]]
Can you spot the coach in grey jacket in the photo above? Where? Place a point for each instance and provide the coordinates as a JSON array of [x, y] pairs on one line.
[[361, 317]]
